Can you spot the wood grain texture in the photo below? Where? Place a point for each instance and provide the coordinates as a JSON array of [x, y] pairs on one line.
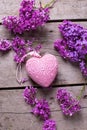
[[12, 101], [68, 73], [15, 113], [63, 9], [26, 121]]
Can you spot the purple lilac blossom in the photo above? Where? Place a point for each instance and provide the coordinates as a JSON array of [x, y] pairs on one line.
[[12, 23], [5, 45], [49, 125], [83, 67], [19, 47], [22, 47], [68, 104], [41, 109], [73, 46], [29, 17], [30, 95]]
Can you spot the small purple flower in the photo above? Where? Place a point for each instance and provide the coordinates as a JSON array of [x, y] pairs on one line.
[[69, 105], [18, 43], [20, 48], [49, 125], [38, 47], [24, 80], [18, 58], [5, 45], [30, 95], [41, 109], [83, 68]]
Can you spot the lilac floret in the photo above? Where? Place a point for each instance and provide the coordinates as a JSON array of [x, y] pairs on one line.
[[30, 95], [19, 55], [41, 109], [83, 68], [49, 125], [19, 46], [5, 45], [69, 105], [18, 43]]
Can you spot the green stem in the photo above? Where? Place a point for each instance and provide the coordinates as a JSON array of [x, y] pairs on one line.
[[50, 4], [81, 93]]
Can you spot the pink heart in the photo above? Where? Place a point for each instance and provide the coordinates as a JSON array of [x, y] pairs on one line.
[[42, 70]]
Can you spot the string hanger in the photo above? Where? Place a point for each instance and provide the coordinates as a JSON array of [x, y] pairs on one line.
[[19, 76]]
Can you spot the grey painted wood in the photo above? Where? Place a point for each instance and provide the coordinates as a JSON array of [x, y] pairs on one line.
[[12, 100], [63, 9], [26, 121], [67, 72], [15, 113]]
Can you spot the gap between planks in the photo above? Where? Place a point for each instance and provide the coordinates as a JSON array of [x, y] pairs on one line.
[[38, 87]]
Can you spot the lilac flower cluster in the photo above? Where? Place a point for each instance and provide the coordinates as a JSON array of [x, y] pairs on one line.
[[13, 24], [19, 47], [29, 18], [69, 105], [5, 45], [74, 44], [30, 95], [49, 125], [22, 47], [41, 109]]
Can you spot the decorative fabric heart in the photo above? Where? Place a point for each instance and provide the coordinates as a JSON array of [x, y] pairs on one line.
[[42, 70]]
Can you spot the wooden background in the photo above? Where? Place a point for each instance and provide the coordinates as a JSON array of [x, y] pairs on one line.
[[14, 112]]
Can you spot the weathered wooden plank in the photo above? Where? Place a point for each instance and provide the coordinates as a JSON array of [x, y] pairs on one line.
[[67, 73], [63, 9], [25, 121], [12, 101], [46, 36]]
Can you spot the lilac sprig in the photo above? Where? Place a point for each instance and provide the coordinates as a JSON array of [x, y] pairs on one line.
[[19, 47], [29, 95], [49, 125], [30, 17], [42, 109], [73, 46], [68, 104], [5, 45], [22, 47]]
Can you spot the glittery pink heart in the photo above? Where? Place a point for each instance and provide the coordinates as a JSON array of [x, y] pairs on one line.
[[42, 70]]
